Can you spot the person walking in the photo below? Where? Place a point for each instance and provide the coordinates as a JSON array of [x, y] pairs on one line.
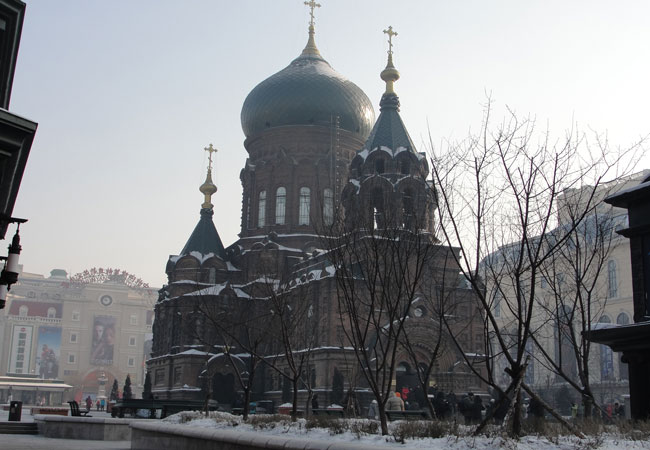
[[373, 410], [89, 403], [395, 403]]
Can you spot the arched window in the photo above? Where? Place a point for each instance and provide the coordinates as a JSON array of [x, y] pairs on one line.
[[606, 357], [623, 319], [305, 201], [378, 208], [612, 285], [379, 165], [328, 207], [407, 205], [23, 311], [261, 212], [280, 205], [405, 166], [51, 313]]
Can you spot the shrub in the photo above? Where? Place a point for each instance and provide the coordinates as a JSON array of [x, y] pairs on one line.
[[419, 429]]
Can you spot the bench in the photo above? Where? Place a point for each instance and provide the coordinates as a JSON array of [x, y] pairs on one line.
[[49, 410], [166, 407], [338, 413], [407, 415], [75, 411]]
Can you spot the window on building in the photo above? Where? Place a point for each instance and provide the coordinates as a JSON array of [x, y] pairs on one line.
[[496, 304], [408, 207], [280, 205], [212, 275], [159, 377], [328, 207], [606, 357], [405, 166], [612, 284], [305, 202], [23, 311], [261, 212], [76, 316], [379, 165], [178, 372], [133, 320], [72, 358], [73, 338], [132, 341], [131, 361], [51, 312]]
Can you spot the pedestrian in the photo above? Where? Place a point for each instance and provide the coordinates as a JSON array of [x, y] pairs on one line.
[[395, 403], [97, 404], [373, 410], [314, 402], [477, 410], [574, 411], [102, 404], [89, 403]]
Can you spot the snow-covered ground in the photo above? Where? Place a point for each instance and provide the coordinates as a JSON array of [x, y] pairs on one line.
[[299, 429]]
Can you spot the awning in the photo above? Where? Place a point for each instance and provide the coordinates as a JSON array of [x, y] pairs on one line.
[[25, 386]]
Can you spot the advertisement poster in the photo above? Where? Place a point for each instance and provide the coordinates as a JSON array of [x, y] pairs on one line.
[[21, 349], [103, 341], [48, 352]]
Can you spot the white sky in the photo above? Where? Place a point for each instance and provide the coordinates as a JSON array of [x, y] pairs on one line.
[[128, 93]]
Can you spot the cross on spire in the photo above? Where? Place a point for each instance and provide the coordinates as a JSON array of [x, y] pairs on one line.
[[312, 5], [210, 149], [390, 34]]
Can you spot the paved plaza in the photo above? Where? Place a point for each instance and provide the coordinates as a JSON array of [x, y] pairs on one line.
[[26, 441]]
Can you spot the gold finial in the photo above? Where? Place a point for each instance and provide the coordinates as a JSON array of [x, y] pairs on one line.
[[208, 188], [310, 48], [390, 74]]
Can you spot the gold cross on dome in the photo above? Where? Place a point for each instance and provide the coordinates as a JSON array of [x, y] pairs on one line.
[[390, 34], [210, 149], [312, 5]]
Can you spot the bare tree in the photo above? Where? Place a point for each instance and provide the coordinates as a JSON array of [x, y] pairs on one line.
[[380, 270], [498, 195]]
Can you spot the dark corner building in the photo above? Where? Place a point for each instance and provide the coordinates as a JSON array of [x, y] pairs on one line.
[[634, 340], [16, 133]]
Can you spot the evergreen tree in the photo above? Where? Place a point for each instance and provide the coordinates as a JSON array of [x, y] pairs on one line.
[[337, 387], [114, 389], [127, 394], [146, 392]]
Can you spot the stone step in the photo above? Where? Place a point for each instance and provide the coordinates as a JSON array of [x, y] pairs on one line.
[[18, 428]]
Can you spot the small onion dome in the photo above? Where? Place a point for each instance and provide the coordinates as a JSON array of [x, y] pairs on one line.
[[208, 189], [307, 92]]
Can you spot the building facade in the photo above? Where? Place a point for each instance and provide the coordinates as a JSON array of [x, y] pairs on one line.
[[600, 258], [86, 330]]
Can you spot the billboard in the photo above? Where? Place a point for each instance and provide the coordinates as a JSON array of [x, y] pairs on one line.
[[21, 349], [48, 352], [103, 342]]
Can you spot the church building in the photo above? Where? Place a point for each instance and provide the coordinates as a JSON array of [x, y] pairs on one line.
[[316, 156]]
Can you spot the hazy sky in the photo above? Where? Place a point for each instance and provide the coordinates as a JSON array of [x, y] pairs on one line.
[[128, 93]]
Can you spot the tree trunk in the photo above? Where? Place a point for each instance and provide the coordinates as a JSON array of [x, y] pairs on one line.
[[294, 403], [382, 418], [247, 402]]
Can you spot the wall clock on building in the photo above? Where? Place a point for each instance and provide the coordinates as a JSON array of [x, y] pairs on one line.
[[106, 300]]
